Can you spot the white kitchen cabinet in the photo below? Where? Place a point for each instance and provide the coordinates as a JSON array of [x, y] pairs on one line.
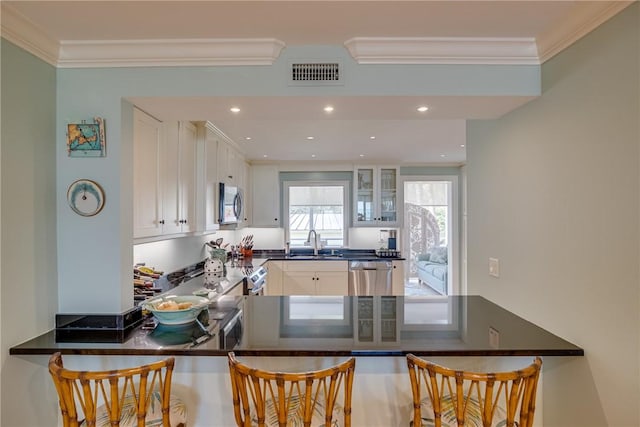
[[265, 194], [315, 278], [299, 283], [180, 178], [165, 176], [210, 139], [247, 198], [397, 277], [147, 188], [375, 196], [229, 164], [377, 320], [274, 278]]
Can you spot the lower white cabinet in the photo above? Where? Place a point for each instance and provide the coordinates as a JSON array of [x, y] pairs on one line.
[[314, 278], [397, 277], [274, 278]]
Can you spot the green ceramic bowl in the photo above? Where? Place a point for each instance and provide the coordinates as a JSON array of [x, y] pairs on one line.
[[176, 317]]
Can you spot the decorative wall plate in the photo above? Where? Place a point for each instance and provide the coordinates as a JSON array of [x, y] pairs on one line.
[[85, 197]]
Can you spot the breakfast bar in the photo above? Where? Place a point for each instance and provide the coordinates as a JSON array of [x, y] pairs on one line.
[[297, 333], [371, 326]]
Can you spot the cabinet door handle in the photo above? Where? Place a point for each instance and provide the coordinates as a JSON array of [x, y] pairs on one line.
[[161, 221]]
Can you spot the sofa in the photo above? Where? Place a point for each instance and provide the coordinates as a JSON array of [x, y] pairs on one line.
[[432, 268]]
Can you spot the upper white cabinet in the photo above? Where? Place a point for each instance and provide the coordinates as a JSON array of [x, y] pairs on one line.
[[165, 176], [375, 196], [230, 164], [180, 177], [265, 192], [210, 187], [247, 202], [147, 188]]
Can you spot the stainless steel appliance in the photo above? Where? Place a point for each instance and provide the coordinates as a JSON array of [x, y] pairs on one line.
[[230, 204], [231, 332], [370, 278], [256, 282]]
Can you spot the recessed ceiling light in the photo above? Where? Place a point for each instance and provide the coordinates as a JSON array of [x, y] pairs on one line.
[[309, 138], [328, 108], [265, 156], [443, 155], [234, 109], [313, 155], [248, 138], [462, 145], [372, 137], [361, 155], [423, 108]]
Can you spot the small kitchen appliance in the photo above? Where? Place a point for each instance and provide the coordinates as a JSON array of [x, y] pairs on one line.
[[391, 240]]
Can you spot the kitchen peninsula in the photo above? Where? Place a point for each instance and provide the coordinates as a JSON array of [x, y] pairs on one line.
[[446, 326], [279, 333]]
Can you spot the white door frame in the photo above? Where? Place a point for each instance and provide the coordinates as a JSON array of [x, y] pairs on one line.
[[454, 225]]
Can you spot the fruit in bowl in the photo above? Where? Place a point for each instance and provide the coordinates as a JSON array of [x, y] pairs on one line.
[[176, 310]]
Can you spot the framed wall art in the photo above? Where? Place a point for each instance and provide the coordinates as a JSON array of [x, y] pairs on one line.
[[87, 139]]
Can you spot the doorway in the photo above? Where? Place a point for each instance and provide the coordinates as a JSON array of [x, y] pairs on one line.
[[429, 240]]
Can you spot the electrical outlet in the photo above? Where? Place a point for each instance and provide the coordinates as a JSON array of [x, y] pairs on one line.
[[494, 338], [494, 267]]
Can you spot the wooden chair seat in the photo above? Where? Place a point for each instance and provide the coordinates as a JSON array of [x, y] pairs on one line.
[[128, 418], [312, 399], [295, 413], [444, 397], [448, 414], [139, 396]]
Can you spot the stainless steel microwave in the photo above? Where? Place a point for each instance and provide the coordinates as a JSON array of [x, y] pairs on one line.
[[230, 204]]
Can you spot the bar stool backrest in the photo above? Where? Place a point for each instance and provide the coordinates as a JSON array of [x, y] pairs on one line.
[[462, 398], [266, 398], [114, 398]]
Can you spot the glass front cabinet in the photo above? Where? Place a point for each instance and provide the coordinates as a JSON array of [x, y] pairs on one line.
[[377, 320], [375, 196]]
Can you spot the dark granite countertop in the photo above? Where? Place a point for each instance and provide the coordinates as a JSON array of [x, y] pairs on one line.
[[337, 326], [298, 254]]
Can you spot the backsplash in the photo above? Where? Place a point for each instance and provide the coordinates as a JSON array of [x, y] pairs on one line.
[[174, 254]]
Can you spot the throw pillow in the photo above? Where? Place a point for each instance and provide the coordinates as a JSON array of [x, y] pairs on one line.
[[438, 255]]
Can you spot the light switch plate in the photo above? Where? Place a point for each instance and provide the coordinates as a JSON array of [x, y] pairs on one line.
[[494, 338], [494, 267]]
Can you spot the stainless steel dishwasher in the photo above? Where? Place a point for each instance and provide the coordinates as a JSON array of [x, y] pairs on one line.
[[370, 277]]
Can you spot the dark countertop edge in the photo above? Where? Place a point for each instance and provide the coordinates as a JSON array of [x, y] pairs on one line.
[[297, 353], [302, 254]]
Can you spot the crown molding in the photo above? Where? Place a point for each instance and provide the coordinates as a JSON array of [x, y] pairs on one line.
[[443, 50], [171, 52], [587, 17], [20, 31]]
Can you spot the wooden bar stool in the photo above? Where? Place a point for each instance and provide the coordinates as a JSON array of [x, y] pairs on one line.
[[139, 396], [265, 398], [444, 397]]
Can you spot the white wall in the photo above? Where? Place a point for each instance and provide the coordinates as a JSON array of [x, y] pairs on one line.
[[553, 193]]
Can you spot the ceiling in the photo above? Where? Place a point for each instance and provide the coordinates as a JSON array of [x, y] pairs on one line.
[[279, 126]]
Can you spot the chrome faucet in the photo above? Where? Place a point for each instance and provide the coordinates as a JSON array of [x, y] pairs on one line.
[[315, 240]]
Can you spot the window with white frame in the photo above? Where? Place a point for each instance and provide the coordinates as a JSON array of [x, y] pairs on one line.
[[320, 206]]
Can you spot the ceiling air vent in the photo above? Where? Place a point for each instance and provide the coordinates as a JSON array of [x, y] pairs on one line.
[[315, 74]]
